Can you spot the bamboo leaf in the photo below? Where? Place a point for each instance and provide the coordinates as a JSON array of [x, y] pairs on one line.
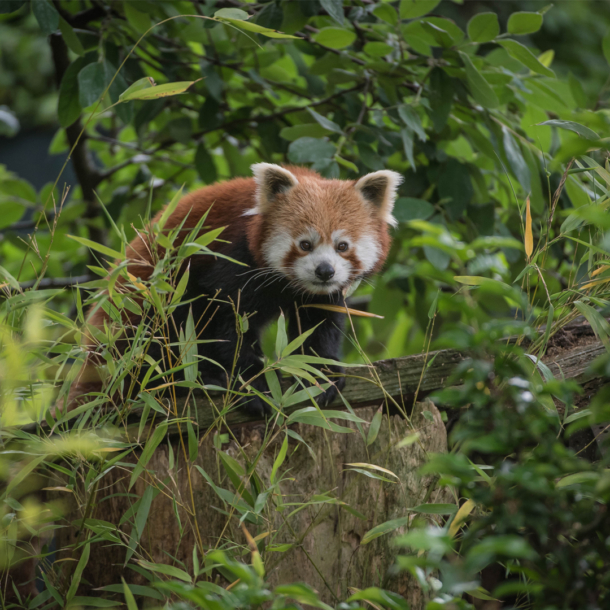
[[78, 573], [529, 237], [98, 247], [153, 442], [339, 309], [129, 598], [372, 467], [384, 528], [460, 517]]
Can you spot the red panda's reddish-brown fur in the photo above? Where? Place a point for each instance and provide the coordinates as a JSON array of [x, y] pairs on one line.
[[226, 203], [277, 204]]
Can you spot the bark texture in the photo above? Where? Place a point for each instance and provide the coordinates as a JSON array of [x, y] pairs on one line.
[[327, 551]]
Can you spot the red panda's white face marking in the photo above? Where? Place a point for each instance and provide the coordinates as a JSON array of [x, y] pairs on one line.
[[323, 234]]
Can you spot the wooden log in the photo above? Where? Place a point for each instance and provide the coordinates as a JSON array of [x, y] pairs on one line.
[[327, 550], [324, 541], [404, 378]]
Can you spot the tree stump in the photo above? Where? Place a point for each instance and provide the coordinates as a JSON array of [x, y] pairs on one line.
[[326, 540]]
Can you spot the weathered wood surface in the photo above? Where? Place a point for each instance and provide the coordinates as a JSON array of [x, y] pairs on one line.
[[327, 551], [401, 379]]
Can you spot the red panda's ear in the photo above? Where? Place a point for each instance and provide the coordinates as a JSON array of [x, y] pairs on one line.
[[379, 188], [271, 180]]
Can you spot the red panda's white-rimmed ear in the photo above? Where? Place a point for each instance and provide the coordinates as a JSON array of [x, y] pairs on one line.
[[379, 188], [271, 180]]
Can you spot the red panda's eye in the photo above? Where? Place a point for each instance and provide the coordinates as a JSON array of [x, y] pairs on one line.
[[305, 245], [342, 247]]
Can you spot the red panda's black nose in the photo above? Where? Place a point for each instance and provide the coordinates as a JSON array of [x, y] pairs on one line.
[[324, 271]]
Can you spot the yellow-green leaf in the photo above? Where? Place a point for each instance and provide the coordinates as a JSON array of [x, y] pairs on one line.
[[98, 247], [153, 93]]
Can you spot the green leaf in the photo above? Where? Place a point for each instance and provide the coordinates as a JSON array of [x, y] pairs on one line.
[[377, 49], [374, 428], [440, 35], [70, 38], [153, 442], [156, 92], [324, 122], [98, 247], [254, 27], [598, 323], [169, 209], [370, 157], [9, 278], [204, 163], [454, 184], [139, 85], [479, 88], [435, 509], [335, 38], [91, 84], [384, 528], [409, 208], [310, 150], [10, 212], [78, 572], [483, 27], [46, 15], [411, 119], [296, 343], [303, 594], [68, 103], [522, 54], [407, 143], [431, 314], [579, 478], [129, 598], [281, 340], [516, 161], [581, 130], [347, 164], [335, 9], [279, 460], [139, 21], [381, 598], [386, 12], [162, 568], [181, 288], [231, 13], [524, 23], [411, 9]]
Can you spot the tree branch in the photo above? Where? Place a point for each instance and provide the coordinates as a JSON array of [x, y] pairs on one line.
[[58, 282]]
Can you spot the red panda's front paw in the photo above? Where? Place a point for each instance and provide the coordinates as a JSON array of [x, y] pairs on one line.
[[331, 393]]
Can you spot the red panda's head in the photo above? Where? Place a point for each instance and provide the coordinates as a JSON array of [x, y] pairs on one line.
[[322, 234]]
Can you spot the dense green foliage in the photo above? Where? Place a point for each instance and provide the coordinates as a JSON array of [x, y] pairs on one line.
[[472, 105]]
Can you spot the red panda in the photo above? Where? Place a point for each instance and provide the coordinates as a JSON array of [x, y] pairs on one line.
[[305, 239]]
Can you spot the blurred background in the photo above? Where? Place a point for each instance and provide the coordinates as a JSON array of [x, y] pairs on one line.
[[215, 131]]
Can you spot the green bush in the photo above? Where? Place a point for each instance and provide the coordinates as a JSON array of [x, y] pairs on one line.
[[503, 232]]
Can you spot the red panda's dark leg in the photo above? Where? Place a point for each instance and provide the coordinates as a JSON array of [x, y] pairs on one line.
[[325, 342]]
